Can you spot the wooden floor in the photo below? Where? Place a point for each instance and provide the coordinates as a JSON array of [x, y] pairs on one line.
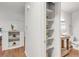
[[18, 52], [73, 53]]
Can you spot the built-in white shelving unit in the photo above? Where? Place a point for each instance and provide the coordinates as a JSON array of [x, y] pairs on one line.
[[50, 14], [13, 38], [42, 36]]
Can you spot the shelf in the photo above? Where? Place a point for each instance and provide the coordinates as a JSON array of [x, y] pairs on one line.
[[13, 37], [50, 47], [50, 38], [49, 52], [50, 19], [49, 10], [12, 40], [10, 44], [49, 23], [50, 29], [49, 33]]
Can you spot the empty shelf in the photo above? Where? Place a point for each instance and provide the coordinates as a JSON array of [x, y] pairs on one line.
[[49, 42], [50, 47], [50, 38], [50, 5], [50, 29], [50, 33], [49, 52], [49, 10], [49, 24], [50, 19]]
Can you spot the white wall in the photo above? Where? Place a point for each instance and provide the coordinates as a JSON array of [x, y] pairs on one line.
[[8, 16], [68, 20], [35, 30], [75, 24]]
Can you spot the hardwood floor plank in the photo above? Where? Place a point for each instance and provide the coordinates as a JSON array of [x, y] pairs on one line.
[[73, 53], [18, 52]]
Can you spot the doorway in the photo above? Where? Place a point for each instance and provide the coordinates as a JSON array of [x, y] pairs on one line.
[[69, 29]]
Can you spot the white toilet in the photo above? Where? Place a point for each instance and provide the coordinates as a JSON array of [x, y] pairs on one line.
[[75, 43]]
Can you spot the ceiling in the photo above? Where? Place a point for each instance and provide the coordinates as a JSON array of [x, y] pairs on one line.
[[19, 7], [70, 6]]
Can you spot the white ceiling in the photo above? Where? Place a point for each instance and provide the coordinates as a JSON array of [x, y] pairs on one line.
[[70, 6]]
